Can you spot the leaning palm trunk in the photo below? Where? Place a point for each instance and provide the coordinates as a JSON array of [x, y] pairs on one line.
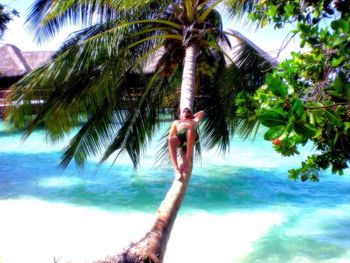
[[188, 78], [151, 248]]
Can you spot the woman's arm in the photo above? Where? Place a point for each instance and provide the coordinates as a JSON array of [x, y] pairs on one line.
[[172, 129], [198, 116]]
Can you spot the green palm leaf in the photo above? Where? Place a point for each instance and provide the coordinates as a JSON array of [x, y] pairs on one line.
[[98, 76], [239, 8], [139, 126], [47, 17]]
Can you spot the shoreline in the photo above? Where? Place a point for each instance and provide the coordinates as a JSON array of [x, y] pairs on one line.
[[44, 231]]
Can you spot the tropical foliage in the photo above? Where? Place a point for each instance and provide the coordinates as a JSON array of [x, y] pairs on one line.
[[5, 17], [118, 74], [307, 98]]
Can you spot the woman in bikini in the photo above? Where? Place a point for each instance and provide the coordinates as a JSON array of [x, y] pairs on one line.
[[183, 133]]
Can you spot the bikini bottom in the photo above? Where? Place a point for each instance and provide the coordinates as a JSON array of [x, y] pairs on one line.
[[182, 136]]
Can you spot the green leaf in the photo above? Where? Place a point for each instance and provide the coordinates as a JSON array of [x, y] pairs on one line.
[[150, 21], [271, 118], [205, 14], [272, 11], [336, 137], [277, 87], [292, 174], [296, 139], [340, 25], [346, 127], [304, 129], [274, 132], [333, 118], [263, 22], [347, 93], [304, 28], [298, 109], [312, 119], [289, 9], [287, 147], [338, 83], [314, 104], [316, 109], [189, 10], [336, 61], [335, 94], [164, 36]]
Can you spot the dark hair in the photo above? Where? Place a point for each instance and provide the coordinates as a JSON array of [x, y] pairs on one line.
[[187, 109]]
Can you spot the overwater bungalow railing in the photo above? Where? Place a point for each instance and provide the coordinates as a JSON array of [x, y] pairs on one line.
[[4, 102], [3, 95], [127, 101]]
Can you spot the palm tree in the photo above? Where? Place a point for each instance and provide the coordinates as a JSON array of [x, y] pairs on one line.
[[119, 73], [5, 17]]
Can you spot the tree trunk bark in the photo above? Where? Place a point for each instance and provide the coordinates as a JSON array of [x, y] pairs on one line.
[[151, 248], [188, 78]]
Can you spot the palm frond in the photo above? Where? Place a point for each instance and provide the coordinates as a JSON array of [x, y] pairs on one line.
[[93, 136], [221, 94], [239, 8], [99, 76], [103, 123], [47, 17], [79, 36], [209, 11], [245, 42], [162, 159], [218, 98], [140, 123], [216, 104], [85, 74], [252, 62]]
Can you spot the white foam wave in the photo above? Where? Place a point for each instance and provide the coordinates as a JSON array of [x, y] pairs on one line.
[[34, 231], [63, 182], [203, 237], [37, 231], [315, 223]]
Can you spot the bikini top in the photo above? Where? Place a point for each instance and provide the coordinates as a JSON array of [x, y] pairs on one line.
[[192, 122]]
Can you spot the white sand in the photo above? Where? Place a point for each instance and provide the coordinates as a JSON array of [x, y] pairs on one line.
[[34, 231]]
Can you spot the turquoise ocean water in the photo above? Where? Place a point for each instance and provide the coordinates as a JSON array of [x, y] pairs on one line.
[[240, 207]]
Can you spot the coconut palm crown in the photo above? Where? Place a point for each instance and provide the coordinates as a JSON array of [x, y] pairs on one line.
[[132, 61]]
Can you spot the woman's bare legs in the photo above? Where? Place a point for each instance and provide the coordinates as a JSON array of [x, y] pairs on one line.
[[191, 138], [173, 143]]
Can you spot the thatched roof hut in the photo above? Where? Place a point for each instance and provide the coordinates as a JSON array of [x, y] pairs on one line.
[[14, 63]]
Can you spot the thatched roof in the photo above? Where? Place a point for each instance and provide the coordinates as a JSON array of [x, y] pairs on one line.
[[15, 63]]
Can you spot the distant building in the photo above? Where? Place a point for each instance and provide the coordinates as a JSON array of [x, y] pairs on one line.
[[14, 64]]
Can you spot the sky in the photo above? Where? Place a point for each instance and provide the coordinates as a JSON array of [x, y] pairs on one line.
[[267, 38]]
